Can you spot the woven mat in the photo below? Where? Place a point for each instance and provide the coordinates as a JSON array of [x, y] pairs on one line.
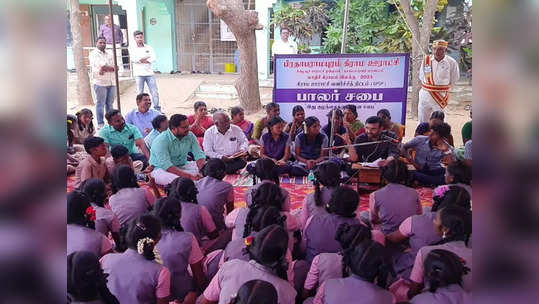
[[298, 192]]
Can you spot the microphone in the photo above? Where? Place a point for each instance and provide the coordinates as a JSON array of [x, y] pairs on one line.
[[389, 138]]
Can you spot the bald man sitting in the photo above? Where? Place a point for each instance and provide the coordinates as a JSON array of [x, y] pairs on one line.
[[227, 142]]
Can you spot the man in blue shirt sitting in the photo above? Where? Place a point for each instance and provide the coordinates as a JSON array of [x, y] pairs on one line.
[[142, 116]]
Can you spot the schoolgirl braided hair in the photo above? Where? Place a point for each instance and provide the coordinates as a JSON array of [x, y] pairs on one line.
[[256, 292], [168, 210], [259, 217], [370, 261], [214, 167], [269, 249], [452, 196], [458, 221], [182, 189], [395, 171], [81, 113], [350, 235], [95, 189], [443, 268], [85, 279], [79, 210], [266, 169], [328, 174], [461, 172], [344, 202], [71, 119], [123, 176], [142, 235], [269, 194]]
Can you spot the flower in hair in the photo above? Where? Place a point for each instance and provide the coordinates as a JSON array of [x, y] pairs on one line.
[[90, 213], [441, 190], [142, 242], [249, 241]]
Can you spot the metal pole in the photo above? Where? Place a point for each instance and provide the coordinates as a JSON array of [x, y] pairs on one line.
[[114, 56], [332, 131], [345, 26]]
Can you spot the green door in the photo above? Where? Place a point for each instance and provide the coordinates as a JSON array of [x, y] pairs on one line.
[[158, 16]]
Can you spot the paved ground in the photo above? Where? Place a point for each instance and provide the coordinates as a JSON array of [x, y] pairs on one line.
[[176, 96]]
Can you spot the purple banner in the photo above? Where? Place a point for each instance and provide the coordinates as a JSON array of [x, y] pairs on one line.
[[322, 82]]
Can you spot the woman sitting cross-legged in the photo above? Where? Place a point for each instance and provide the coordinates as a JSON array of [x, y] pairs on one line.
[[276, 146], [310, 144]]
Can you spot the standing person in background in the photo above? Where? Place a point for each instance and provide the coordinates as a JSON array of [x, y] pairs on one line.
[[106, 30], [284, 45], [437, 74], [200, 121], [142, 56], [102, 75]]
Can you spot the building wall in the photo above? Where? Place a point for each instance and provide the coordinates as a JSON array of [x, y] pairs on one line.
[[263, 8]]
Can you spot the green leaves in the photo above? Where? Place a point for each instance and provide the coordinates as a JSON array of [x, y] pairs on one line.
[[374, 26], [303, 21]]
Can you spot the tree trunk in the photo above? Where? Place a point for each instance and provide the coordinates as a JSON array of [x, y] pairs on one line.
[[83, 83], [243, 24], [422, 35]]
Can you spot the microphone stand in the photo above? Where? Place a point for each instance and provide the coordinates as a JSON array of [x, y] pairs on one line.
[[355, 145]]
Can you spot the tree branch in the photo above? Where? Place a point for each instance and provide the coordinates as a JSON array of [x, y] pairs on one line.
[[428, 22], [413, 24]]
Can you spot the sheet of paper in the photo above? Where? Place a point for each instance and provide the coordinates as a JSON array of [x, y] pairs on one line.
[[374, 164]]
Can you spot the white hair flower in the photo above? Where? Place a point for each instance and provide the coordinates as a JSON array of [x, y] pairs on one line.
[[142, 242]]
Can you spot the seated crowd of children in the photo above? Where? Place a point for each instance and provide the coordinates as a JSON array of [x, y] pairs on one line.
[[130, 244]]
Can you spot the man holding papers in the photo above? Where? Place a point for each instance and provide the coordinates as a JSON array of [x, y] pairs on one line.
[[227, 142], [386, 150]]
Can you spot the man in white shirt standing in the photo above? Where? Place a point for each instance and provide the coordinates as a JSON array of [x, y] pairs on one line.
[[438, 73], [227, 142], [284, 46], [142, 56], [102, 74]]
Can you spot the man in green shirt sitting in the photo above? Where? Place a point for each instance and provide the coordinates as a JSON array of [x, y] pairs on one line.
[[118, 132], [170, 149]]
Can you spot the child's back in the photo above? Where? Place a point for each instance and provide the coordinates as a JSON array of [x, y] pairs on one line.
[[132, 278], [452, 294], [129, 203], [393, 204], [214, 194]]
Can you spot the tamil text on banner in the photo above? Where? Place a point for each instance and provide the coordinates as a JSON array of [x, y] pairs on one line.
[[323, 82]]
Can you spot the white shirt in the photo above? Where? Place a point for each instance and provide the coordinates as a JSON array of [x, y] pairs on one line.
[[97, 60], [217, 145], [137, 53], [285, 48], [444, 72]]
